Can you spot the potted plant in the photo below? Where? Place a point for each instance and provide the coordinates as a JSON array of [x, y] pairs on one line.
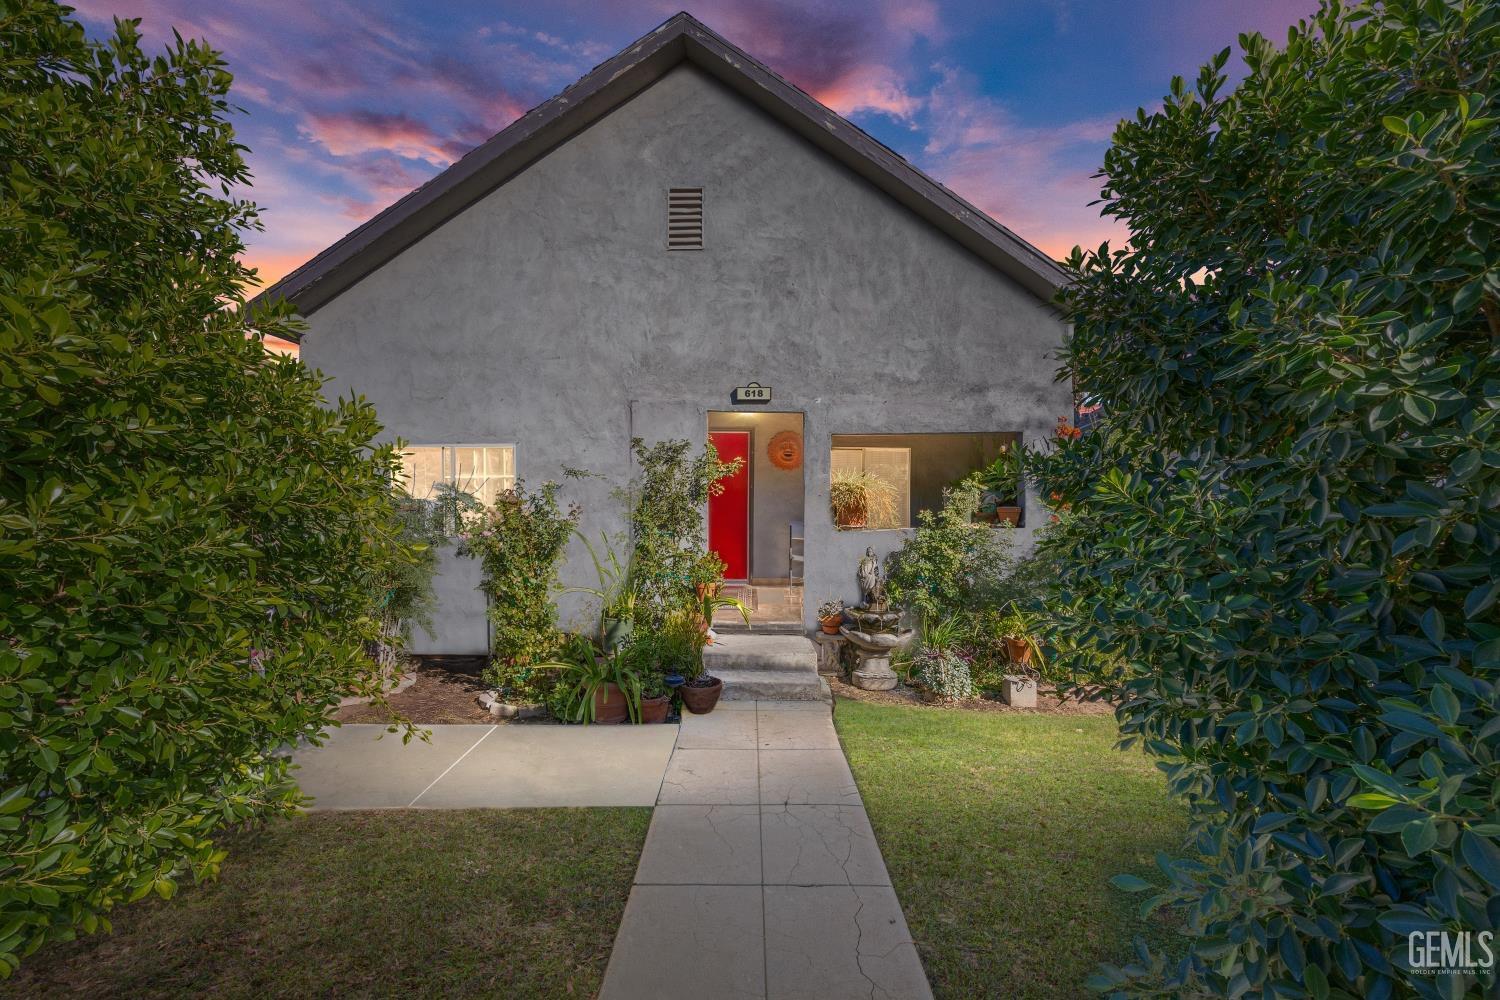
[[679, 650], [709, 605], [598, 688], [1018, 686], [656, 697], [831, 616], [1001, 482], [616, 592], [859, 497]]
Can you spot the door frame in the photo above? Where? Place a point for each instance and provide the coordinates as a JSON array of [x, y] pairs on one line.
[[749, 433]]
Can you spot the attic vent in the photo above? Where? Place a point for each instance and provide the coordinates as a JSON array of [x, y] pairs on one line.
[[684, 218]]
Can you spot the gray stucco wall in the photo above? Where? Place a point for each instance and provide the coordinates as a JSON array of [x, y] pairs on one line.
[[550, 314]]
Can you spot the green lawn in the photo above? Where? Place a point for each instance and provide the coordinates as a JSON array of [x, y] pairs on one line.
[[519, 903], [1001, 832]]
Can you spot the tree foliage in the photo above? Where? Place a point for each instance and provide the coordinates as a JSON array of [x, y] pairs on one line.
[[191, 545], [1283, 548]]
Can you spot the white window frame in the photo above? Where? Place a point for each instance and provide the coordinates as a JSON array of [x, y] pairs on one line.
[[448, 460]]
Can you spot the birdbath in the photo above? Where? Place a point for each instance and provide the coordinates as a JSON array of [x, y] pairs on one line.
[[872, 653], [873, 629]]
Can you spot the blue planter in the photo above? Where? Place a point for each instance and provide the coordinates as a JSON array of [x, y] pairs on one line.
[[675, 680]]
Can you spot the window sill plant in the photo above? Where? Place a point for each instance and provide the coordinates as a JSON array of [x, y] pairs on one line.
[[857, 498], [1001, 483]]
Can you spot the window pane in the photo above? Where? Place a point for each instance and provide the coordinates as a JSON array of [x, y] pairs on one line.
[[848, 460], [421, 471], [893, 466], [500, 464]]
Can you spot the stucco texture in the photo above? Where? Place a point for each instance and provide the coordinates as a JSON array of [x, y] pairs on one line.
[[550, 314]]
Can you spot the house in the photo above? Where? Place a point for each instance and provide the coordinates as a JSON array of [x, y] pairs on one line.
[[684, 245]]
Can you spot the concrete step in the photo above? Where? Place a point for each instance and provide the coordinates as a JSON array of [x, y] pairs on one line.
[[772, 685], [761, 651], [763, 666]]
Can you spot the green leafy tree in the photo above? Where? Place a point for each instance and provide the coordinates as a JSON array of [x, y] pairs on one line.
[[192, 546], [1282, 553]]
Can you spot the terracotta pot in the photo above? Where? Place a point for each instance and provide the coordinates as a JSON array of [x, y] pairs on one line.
[[1019, 650], [655, 709], [831, 623], [852, 519], [609, 706], [701, 700], [1008, 515]]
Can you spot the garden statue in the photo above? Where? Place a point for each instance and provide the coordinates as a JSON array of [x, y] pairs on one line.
[[873, 629], [871, 586]]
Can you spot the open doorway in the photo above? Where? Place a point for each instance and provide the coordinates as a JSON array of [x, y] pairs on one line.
[[756, 525]]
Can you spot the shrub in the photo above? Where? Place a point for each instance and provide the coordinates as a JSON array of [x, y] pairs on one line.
[[192, 544], [1283, 539], [519, 542], [666, 522], [943, 672], [953, 565]]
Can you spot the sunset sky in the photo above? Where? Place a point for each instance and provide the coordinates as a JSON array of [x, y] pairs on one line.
[[347, 106]]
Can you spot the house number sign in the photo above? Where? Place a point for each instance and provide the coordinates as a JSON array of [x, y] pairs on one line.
[[752, 393]]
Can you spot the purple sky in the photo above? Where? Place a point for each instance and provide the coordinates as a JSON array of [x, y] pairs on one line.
[[349, 105]]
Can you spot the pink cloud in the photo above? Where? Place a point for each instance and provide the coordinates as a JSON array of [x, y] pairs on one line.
[[351, 133], [1035, 181]]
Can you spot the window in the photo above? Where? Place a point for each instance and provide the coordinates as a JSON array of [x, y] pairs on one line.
[[482, 470], [891, 466]]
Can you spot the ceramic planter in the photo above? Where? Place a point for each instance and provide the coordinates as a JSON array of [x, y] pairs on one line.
[[609, 705], [655, 709], [999, 515], [852, 519], [831, 623], [701, 700], [1019, 650], [1018, 691]]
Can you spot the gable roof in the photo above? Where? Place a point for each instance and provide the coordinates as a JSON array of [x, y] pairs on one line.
[[682, 38]]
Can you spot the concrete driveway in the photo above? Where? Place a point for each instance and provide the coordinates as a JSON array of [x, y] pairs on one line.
[[502, 767]]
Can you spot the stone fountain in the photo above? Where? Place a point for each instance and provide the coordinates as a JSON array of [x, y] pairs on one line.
[[873, 629]]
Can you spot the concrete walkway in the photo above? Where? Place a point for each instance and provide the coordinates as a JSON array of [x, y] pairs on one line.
[[761, 877], [492, 767]]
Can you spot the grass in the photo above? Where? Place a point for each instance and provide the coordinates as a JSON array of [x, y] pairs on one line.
[[519, 903], [1001, 832]]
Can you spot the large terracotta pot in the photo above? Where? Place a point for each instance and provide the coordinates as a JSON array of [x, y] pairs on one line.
[[609, 706], [855, 518], [1019, 650], [655, 709], [701, 700]]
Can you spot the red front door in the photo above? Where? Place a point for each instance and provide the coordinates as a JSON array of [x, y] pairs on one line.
[[729, 512]]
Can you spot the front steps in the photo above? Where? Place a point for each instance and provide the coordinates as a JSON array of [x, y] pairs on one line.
[[761, 667]]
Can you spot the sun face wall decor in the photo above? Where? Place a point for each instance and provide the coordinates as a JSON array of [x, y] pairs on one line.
[[785, 450]]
